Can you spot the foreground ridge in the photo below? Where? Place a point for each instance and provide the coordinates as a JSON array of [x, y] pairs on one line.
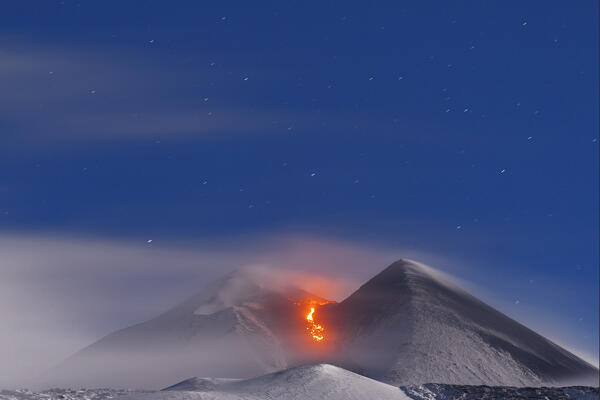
[[315, 381], [465, 392]]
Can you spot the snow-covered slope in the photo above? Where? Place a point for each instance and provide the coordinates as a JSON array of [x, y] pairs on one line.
[[407, 325], [66, 394], [308, 382], [330, 387], [233, 328], [320, 381]]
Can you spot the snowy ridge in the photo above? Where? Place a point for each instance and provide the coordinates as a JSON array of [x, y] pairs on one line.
[[66, 394], [316, 382], [201, 384], [321, 381], [407, 326], [308, 382]]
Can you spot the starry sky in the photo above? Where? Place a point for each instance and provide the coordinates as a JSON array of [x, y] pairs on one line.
[[463, 129]]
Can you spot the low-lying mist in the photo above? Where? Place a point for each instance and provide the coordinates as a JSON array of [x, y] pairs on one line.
[[60, 294]]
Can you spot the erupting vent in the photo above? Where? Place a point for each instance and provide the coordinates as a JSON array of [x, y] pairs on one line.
[[316, 330], [314, 326]]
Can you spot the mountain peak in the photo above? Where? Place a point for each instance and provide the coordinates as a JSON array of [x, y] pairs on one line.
[[403, 264], [410, 323], [397, 280], [399, 269]]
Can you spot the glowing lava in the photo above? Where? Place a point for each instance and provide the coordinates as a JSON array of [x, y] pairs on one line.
[[316, 330]]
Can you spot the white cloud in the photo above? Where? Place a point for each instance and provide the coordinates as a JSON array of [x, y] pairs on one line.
[[57, 96]]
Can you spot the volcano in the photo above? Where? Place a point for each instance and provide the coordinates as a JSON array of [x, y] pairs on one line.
[[409, 325], [236, 327], [406, 326]]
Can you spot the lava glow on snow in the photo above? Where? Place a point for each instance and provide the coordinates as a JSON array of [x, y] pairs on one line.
[[315, 329]]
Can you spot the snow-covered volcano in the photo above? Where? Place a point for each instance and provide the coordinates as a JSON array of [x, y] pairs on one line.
[[235, 327], [405, 326], [408, 325]]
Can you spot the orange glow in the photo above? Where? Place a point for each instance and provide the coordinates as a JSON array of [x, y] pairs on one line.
[[309, 316], [315, 329]]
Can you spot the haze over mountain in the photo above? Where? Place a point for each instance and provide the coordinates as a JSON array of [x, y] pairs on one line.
[[405, 326], [236, 327]]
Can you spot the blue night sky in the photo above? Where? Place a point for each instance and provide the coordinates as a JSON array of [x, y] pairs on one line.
[[464, 130]]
